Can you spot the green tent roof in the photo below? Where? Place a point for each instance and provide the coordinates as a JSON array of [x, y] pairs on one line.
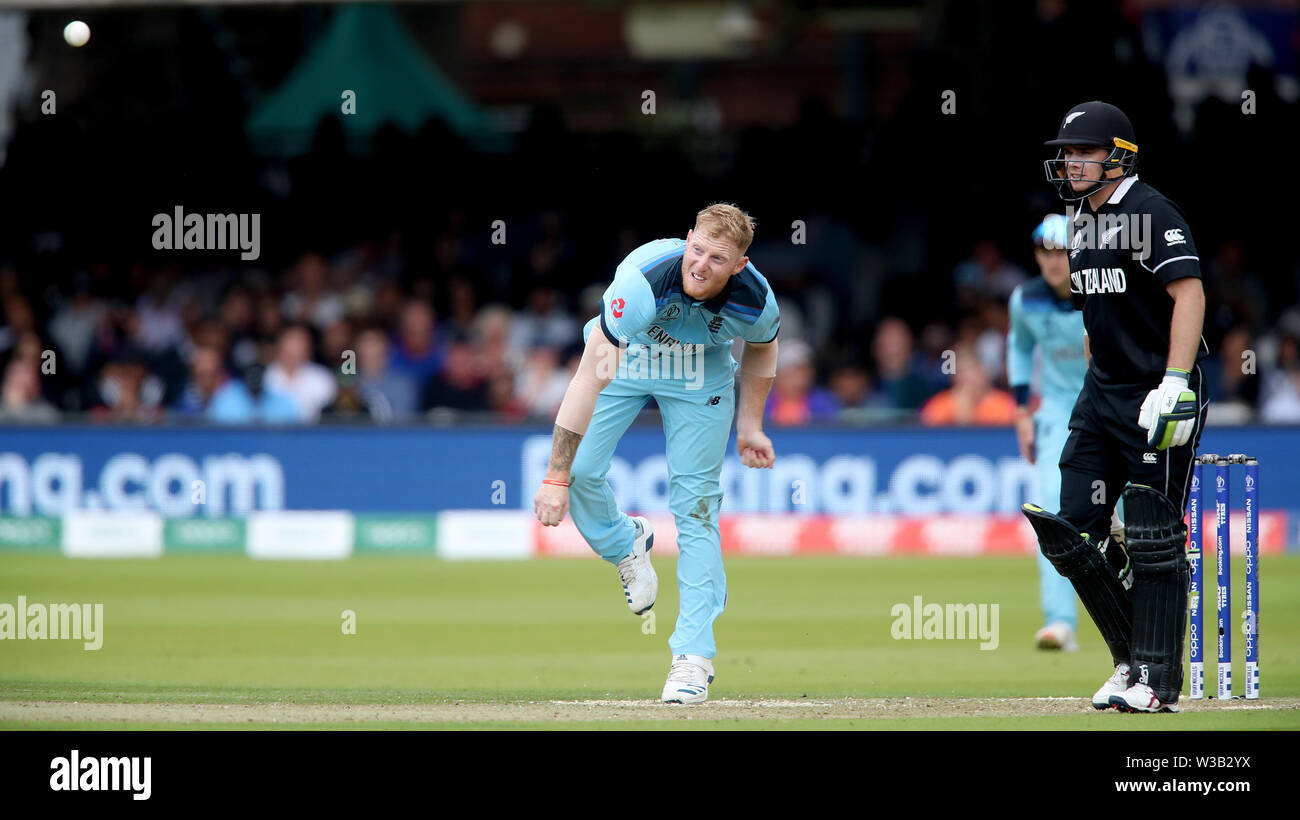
[[366, 50]]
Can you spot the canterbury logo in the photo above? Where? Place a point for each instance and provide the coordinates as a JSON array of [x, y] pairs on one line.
[[1148, 458], [1069, 118], [1173, 236], [616, 308]]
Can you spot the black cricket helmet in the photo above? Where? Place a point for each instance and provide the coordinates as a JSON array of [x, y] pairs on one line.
[[1093, 123]]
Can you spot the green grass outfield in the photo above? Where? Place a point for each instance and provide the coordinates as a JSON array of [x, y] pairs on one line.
[[805, 643]]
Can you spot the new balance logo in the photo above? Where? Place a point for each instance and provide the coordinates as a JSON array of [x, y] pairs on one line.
[[1148, 458], [714, 400], [715, 324]]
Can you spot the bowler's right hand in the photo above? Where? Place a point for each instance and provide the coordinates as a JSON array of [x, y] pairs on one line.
[[551, 503]]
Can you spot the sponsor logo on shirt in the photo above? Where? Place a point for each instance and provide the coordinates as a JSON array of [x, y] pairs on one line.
[[660, 337], [1174, 236], [1098, 280], [616, 308]]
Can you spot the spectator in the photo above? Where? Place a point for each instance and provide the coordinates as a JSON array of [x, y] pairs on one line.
[[543, 322], [1231, 382], [986, 275], [127, 391], [541, 383], [336, 343], [207, 378], [464, 307], [20, 396], [491, 334], [270, 324], [310, 300], [502, 400], [158, 325], [900, 379], [1282, 385], [74, 324], [238, 320], [851, 386], [251, 401], [350, 401], [972, 398], [1235, 294], [415, 350], [794, 399], [390, 394], [216, 397], [311, 386], [459, 386]]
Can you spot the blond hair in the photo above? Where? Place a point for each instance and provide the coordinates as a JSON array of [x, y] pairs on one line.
[[722, 220]]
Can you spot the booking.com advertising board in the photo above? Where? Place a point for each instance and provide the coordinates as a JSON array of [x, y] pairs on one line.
[[869, 476]]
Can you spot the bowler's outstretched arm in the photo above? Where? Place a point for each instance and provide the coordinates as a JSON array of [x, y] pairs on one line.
[[599, 364]]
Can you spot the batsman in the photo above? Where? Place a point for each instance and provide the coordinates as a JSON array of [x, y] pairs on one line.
[[1135, 274]]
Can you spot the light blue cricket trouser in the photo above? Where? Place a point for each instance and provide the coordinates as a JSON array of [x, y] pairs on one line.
[[697, 432], [1051, 431]]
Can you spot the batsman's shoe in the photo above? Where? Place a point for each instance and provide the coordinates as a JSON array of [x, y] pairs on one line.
[[688, 679], [640, 583], [1116, 684], [1057, 635], [1140, 698]]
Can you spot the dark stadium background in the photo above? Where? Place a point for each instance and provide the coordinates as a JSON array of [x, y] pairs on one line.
[[830, 113]]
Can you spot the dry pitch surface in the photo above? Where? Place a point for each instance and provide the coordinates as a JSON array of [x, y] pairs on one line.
[[587, 711]]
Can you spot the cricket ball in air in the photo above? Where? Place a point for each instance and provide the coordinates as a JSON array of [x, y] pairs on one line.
[[76, 33]]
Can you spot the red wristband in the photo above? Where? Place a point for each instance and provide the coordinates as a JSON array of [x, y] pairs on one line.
[[556, 483]]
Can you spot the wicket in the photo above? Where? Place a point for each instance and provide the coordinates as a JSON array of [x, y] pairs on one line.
[[1223, 572]]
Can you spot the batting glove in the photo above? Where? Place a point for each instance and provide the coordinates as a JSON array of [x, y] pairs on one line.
[[1169, 412]]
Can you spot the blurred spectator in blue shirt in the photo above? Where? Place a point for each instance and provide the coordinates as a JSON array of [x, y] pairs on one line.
[[213, 395], [415, 349], [390, 394], [795, 399], [900, 374]]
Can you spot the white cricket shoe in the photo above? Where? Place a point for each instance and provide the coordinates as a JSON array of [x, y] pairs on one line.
[[640, 583], [688, 679], [1140, 698], [1114, 685], [1057, 635]]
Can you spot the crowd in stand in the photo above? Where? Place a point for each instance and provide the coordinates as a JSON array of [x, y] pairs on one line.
[[346, 338]]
